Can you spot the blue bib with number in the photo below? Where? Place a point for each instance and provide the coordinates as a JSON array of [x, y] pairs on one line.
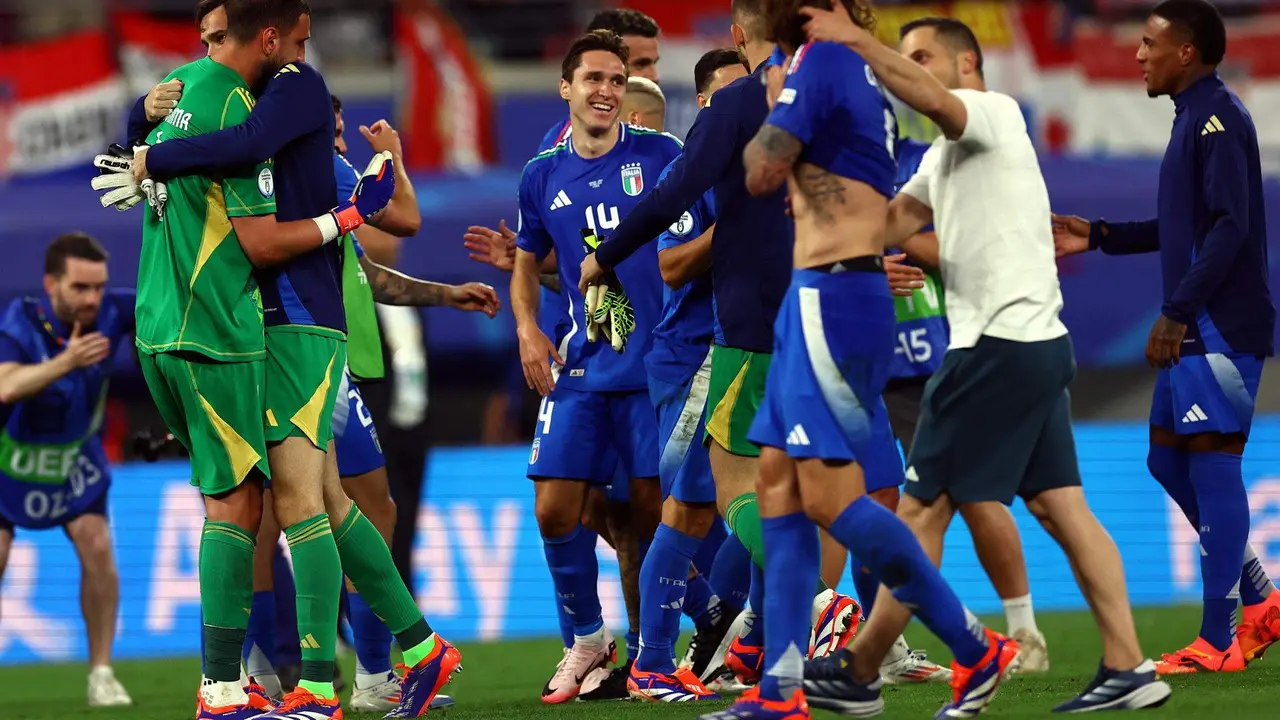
[[52, 465]]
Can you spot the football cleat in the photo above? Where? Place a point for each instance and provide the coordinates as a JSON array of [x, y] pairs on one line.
[[835, 622], [707, 648], [381, 697], [746, 662], [259, 697], [973, 688], [911, 667], [421, 683], [105, 690], [302, 704], [224, 701], [1134, 689], [829, 684], [585, 655], [753, 707], [1033, 654], [1200, 656], [683, 686], [605, 684], [1259, 629]]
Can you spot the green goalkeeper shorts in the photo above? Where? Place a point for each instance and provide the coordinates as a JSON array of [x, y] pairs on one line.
[[736, 389], [303, 372], [215, 410]]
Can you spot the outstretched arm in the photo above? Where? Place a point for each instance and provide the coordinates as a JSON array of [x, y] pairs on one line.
[[769, 158], [394, 288]]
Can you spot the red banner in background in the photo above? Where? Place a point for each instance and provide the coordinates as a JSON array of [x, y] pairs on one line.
[[149, 47], [445, 110]]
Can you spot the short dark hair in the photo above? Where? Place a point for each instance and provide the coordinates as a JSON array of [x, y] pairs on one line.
[[605, 40], [337, 104], [204, 7], [247, 18], [957, 36], [709, 63], [72, 245], [625, 21], [1202, 24], [750, 15], [785, 24]]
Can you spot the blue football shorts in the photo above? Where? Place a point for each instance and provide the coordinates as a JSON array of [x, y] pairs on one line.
[[355, 438], [684, 465], [1207, 393], [833, 348], [595, 436]]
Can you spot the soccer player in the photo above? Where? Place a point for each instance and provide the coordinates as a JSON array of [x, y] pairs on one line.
[[293, 121], [922, 336], [678, 370], [996, 419], [750, 252], [55, 354], [568, 197], [1215, 326]]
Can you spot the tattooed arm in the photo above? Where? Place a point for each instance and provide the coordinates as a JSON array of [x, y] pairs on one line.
[[550, 281], [768, 159], [392, 288]]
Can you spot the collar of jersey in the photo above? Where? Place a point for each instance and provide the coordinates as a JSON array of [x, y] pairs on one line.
[[1198, 90], [622, 139], [213, 66]]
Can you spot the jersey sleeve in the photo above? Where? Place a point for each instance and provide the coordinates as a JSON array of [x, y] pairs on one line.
[[247, 191], [553, 136], [985, 113], [691, 224], [920, 184], [294, 104], [346, 176], [806, 98], [138, 126], [531, 233], [11, 350]]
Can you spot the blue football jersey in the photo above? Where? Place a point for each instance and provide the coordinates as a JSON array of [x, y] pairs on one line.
[[562, 194], [922, 330], [553, 313], [833, 104], [52, 465], [682, 337]]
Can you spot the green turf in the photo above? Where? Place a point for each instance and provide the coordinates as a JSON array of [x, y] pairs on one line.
[[503, 681]]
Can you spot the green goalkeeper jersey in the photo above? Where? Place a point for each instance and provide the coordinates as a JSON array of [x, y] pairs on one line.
[[196, 289]]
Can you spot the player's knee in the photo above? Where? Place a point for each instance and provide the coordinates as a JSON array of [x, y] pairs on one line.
[[692, 519], [556, 521]]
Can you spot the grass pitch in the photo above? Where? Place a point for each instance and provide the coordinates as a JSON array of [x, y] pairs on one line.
[[503, 680]]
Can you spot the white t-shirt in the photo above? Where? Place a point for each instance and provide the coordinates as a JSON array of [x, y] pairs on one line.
[[991, 212]]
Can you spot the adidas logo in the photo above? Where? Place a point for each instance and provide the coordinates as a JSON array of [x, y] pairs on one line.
[[1214, 125], [798, 436], [1194, 415], [562, 201]]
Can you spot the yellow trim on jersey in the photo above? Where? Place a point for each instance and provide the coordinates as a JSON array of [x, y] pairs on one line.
[[203, 349], [240, 93], [217, 226], [241, 454], [271, 419], [718, 426], [308, 417]]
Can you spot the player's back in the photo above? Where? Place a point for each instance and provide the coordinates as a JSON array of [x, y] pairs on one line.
[[563, 194], [841, 185], [306, 290], [196, 290], [683, 336]]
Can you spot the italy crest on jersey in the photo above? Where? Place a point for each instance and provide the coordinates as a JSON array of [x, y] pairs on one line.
[[632, 179]]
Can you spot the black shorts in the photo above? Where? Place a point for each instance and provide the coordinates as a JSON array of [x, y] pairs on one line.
[[995, 423], [902, 396], [99, 507]]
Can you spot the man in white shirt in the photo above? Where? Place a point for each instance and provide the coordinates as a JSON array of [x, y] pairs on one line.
[[995, 418]]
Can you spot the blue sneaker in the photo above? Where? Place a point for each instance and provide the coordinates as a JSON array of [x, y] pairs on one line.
[[753, 707], [422, 682], [829, 684], [1134, 689], [973, 688]]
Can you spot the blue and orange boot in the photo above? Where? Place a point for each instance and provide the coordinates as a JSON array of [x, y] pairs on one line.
[[973, 688], [682, 686], [302, 704], [746, 662], [423, 681], [1259, 627], [258, 697], [835, 621], [209, 706], [753, 707], [1200, 656]]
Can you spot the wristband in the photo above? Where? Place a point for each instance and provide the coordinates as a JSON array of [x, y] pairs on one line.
[[329, 229]]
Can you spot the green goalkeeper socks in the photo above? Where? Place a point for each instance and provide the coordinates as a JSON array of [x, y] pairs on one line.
[[367, 561], [743, 518], [226, 595], [318, 577]]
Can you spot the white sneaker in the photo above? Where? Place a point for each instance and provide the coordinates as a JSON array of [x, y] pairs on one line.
[[904, 666], [381, 696], [587, 654], [105, 690], [727, 684], [1033, 653], [835, 620]]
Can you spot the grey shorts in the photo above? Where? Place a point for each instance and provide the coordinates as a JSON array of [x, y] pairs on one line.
[[902, 396], [995, 423]]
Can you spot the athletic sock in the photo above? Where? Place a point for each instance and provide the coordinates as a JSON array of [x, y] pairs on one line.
[[1019, 614], [701, 604], [366, 559], [1255, 585], [288, 649], [880, 540], [260, 641], [575, 572], [705, 558], [743, 517], [866, 584], [730, 575], [753, 636], [318, 576], [566, 623], [663, 585], [226, 589], [1223, 504], [371, 638], [1171, 468], [794, 554]]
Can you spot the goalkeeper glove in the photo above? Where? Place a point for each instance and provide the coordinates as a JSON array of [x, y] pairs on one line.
[[115, 177], [621, 318], [373, 192]]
